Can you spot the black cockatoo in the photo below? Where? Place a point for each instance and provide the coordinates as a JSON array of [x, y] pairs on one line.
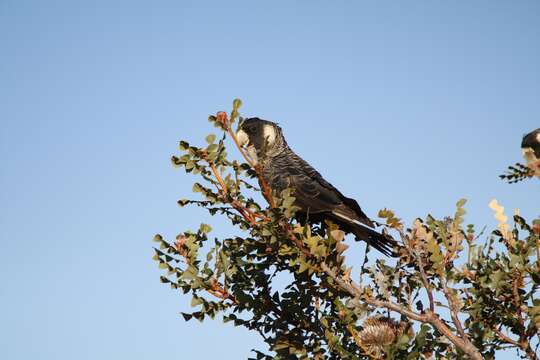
[[316, 198], [531, 146]]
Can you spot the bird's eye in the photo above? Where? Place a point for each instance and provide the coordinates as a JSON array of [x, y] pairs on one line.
[[250, 129]]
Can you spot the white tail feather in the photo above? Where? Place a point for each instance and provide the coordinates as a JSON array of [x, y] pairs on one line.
[[350, 220]]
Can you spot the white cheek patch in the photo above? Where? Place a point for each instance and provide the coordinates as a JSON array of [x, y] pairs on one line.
[[243, 140], [242, 137], [269, 134], [538, 137], [528, 154]]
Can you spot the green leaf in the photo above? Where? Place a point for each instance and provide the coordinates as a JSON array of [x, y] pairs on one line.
[[190, 273], [197, 188], [303, 266], [196, 301], [436, 256], [212, 148], [183, 202], [237, 103], [205, 228], [187, 317], [183, 145]]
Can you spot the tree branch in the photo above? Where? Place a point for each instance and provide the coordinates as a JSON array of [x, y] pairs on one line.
[[429, 317], [413, 253], [453, 309]]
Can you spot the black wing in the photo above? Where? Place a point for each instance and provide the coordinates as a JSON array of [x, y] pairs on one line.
[[319, 199], [316, 195]]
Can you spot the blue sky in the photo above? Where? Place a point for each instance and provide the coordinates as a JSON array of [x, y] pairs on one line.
[[403, 105]]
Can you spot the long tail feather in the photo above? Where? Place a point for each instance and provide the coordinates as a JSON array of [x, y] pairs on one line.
[[382, 242]]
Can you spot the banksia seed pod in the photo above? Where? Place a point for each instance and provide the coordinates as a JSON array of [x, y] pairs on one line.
[[379, 332]]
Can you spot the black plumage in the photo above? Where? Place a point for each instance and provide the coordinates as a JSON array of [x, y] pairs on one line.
[[531, 143], [317, 198]]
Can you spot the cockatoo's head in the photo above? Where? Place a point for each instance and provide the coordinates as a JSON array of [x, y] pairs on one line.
[[530, 146], [260, 137]]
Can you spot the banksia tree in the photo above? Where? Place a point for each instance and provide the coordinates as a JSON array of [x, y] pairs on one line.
[[451, 292]]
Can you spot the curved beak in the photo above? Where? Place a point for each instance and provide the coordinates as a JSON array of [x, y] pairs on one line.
[[242, 137]]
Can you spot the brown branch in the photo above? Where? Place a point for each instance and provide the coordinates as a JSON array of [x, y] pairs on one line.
[[517, 302], [537, 242], [531, 354], [524, 343], [452, 305], [429, 317], [418, 257], [506, 338], [219, 291], [453, 309], [267, 193], [223, 119], [260, 216], [524, 346], [425, 281], [218, 177], [245, 212]]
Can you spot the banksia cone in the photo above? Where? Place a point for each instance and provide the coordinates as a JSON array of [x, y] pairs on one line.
[[378, 333]]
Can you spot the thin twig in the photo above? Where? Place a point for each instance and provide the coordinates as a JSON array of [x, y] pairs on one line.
[[267, 193], [245, 212], [222, 116], [524, 346], [453, 309], [218, 177], [506, 338], [427, 286], [418, 257]]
